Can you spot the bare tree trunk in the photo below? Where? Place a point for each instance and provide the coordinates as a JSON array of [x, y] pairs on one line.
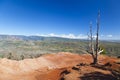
[[95, 52], [97, 39], [91, 42]]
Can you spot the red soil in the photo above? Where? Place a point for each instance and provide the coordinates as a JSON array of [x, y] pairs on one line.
[[52, 67]]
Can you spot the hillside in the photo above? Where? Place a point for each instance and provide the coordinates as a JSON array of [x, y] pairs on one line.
[[18, 46], [33, 38], [60, 66]]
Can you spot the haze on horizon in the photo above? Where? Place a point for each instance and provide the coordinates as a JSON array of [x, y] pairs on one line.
[[60, 18]]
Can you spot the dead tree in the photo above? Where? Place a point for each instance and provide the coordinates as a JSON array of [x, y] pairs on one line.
[[94, 49]]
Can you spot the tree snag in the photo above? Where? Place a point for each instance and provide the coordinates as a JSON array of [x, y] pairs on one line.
[[94, 49]]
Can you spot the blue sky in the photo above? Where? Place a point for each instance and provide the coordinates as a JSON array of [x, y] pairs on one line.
[[66, 18]]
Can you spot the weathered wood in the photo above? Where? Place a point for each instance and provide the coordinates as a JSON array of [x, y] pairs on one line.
[[95, 51]]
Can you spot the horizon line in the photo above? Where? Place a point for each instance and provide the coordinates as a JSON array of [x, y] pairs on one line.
[[68, 36]]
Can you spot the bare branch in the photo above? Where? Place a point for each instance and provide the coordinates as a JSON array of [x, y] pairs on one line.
[[100, 52], [94, 50]]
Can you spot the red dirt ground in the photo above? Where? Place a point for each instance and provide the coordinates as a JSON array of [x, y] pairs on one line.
[[60, 67]]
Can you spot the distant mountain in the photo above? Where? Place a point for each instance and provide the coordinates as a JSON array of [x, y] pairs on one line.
[[43, 38], [113, 41], [34, 38]]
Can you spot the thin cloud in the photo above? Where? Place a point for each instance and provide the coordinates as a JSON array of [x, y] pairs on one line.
[[109, 36], [102, 35], [71, 36]]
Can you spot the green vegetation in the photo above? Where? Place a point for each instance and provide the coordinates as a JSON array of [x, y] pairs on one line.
[[21, 49]]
